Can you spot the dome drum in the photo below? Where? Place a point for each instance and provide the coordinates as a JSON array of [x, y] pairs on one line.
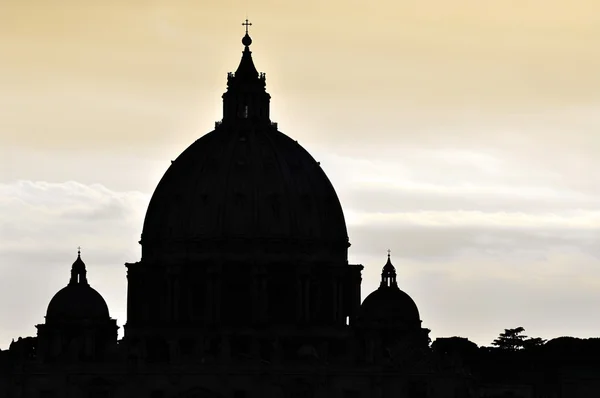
[[263, 250]]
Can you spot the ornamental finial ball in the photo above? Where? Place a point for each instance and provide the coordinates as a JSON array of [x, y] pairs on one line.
[[247, 40]]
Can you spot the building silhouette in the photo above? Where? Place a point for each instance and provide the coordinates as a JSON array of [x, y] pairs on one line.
[[243, 289]]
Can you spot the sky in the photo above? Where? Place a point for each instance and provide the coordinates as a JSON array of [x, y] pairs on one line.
[[463, 135]]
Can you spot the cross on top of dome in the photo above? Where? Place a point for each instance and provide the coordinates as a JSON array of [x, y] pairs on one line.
[[246, 24]]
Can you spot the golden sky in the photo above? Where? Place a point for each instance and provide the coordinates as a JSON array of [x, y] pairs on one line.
[[81, 63]]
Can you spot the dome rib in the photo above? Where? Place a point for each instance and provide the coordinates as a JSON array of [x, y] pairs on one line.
[[227, 191], [281, 170], [200, 189]]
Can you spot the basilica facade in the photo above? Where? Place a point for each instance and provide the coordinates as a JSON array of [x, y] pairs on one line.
[[243, 288]]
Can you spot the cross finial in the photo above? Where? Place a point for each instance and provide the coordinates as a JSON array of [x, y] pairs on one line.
[[247, 24], [78, 250], [389, 253]]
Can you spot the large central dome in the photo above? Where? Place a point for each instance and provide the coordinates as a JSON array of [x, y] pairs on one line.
[[244, 189]]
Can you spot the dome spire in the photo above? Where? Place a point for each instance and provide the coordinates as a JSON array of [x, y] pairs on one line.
[[388, 274], [246, 97], [246, 70], [78, 272]]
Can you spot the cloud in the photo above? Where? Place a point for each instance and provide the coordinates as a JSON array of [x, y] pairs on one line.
[[476, 291], [517, 265], [481, 243], [425, 242], [478, 295], [509, 223]]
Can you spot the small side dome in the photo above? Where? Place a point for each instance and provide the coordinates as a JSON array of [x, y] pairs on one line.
[[78, 301], [388, 306]]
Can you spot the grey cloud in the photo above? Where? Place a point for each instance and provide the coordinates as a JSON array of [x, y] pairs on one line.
[[512, 270], [423, 242], [138, 172], [555, 148], [41, 226], [482, 308], [405, 199], [476, 295], [37, 210]]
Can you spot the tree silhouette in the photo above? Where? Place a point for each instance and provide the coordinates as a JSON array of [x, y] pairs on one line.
[[511, 339], [514, 339]]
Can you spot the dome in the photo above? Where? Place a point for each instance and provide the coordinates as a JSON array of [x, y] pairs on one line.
[[388, 305], [244, 188], [78, 300]]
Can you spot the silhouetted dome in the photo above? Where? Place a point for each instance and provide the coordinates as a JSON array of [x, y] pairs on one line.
[[253, 184], [77, 301], [388, 305], [244, 188]]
